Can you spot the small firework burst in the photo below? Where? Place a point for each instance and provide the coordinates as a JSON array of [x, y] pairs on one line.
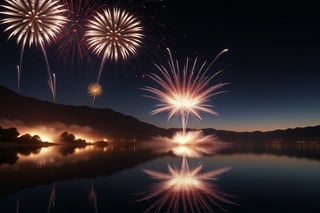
[[95, 89]]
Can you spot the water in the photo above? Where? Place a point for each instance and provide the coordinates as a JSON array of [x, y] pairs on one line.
[[268, 178]]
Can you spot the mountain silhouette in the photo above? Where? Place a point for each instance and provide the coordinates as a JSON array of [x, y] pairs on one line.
[[108, 123], [104, 122]]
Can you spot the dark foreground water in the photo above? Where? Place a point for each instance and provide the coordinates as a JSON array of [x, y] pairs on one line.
[[131, 178]]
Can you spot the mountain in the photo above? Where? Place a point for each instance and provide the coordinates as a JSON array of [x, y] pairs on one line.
[[111, 124], [102, 122]]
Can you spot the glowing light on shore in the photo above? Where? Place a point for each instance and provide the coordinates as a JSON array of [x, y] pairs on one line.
[[184, 90], [33, 22], [186, 190], [46, 134]]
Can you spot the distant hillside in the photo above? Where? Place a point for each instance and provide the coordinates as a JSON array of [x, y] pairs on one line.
[[311, 133], [108, 123], [104, 122]]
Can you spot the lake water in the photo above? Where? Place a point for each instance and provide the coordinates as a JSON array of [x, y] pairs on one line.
[[133, 178]]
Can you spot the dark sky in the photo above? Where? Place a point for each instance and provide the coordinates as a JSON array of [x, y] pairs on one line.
[[273, 63]]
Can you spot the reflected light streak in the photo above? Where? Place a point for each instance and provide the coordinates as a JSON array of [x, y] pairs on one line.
[[187, 190], [52, 200], [191, 144], [93, 198], [43, 158]]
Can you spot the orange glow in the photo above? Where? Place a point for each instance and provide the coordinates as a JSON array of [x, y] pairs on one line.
[[46, 134], [95, 89]]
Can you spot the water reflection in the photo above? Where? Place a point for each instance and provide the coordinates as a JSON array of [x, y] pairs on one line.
[[52, 199], [191, 144], [56, 155], [184, 190], [104, 179], [93, 197]]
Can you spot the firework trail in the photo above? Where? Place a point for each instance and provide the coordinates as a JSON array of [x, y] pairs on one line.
[[33, 22], [186, 189], [18, 78], [184, 91], [113, 34]]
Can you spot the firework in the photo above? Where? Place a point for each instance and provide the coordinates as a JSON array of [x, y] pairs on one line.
[[71, 42], [113, 34], [33, 22], [186, 189], [94, 90], [184, 92]]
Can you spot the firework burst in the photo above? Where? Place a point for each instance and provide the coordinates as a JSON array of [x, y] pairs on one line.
[[184, 92], [113, 34], [71, 42], [94, 90], [33, 22], [186, 190]]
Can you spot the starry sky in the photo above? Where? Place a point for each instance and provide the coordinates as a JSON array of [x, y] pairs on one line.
[[272, 65]]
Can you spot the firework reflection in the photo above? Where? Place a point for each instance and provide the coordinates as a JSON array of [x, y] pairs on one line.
[[192, 144], [186, 190]]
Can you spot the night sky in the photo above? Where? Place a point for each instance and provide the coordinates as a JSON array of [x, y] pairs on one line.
[[273, 64]]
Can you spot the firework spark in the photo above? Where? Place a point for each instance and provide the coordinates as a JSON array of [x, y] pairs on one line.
[[33, 22], [184, 92], [94, 90], [186, 190], [113, 34], [71, 41]]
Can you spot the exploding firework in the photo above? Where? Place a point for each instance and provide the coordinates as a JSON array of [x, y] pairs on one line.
[[184, 92], [113, 34], [186, 190], [94, 90], [34, 22], [71, 42]]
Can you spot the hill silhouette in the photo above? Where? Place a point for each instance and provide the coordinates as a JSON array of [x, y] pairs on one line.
[[108, 123], [104, 122]]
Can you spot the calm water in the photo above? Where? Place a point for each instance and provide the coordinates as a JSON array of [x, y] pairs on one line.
[[131, 178]]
